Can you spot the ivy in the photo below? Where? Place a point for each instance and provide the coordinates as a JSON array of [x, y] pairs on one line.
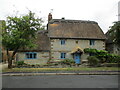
[[103, 55]]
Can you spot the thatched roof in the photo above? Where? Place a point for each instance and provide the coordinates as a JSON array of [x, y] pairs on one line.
[[61, 28], [42, 42]]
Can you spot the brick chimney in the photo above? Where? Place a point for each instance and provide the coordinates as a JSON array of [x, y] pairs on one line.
[[49, 17]]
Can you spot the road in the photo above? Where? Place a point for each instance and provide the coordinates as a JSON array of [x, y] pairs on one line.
[[61, 81]]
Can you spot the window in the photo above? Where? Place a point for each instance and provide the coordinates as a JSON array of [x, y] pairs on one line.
[[92, 42], [31, 55], [63, 55], [62, 42], [118, 49], [76, 42], [91, 54]]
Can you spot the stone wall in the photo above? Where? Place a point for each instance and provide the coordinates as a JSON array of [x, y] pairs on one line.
[[42, 58], [70, 44]]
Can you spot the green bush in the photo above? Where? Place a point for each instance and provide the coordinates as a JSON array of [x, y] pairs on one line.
[[20, 63], [93, 61], [111, 58]]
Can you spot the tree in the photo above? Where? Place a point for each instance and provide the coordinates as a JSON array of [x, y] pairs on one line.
[[20, 32], [115, 32]]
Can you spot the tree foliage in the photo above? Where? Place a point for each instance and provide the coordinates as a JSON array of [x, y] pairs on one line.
[[21, 32], [115, 32]]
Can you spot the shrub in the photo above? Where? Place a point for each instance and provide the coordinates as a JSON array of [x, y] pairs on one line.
[[20, 63], [111, 58], [93, 61]]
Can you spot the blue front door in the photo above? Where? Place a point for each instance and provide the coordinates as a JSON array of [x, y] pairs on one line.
[[77, 58]]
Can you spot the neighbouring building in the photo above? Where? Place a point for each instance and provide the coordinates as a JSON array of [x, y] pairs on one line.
[[111, 46], [64, 39]]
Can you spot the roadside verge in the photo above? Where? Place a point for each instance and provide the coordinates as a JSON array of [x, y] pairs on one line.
[[61, 73]]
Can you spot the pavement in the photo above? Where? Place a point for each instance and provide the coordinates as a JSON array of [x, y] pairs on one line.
[[3, 66]]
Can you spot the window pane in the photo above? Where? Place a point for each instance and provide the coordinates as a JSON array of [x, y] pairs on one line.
[[63, 55], [27, 55], [62, 42], [34, 56], [91, 54], [92, 42], [31, 55]]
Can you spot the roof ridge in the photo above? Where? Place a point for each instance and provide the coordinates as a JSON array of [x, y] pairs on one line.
[[72, 21]]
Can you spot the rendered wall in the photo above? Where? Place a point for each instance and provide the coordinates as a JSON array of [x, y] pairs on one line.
[[70, 44], [42, 58]]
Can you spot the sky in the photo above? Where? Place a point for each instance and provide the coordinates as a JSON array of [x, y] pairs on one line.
[[104, 12]]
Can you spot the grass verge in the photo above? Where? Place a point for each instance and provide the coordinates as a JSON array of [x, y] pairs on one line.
[[62, 69]]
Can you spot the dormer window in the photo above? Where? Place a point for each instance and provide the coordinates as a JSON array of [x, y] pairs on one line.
[[62, 42]]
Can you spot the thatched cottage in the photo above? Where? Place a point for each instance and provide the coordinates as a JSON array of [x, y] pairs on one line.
[[64, 39]]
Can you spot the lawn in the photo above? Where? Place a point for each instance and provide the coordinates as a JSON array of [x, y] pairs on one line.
[[62, 69]]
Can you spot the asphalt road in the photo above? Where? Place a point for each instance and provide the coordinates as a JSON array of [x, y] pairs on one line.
[[61, 81]]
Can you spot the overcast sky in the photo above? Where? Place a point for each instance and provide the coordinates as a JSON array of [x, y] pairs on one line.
[[105, 12]]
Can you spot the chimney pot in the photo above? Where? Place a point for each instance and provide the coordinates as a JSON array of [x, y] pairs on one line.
[[49, 17], [63, 18]]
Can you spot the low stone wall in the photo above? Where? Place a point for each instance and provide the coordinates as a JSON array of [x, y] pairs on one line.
[[34, 62]]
